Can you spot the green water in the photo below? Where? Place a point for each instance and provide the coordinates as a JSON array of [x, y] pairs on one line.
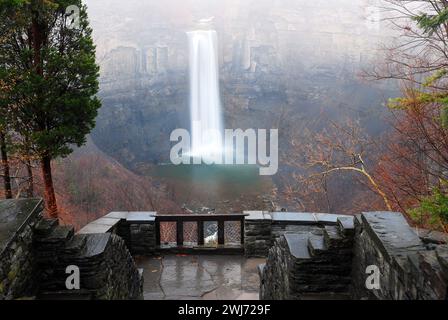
[[214, 186], [247, 175]]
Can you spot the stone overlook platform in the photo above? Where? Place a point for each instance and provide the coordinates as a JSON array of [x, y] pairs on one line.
[[275, 255]]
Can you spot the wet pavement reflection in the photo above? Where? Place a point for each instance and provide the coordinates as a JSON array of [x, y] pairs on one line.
[[215, 277]]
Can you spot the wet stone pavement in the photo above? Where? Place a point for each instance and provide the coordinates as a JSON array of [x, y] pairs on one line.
[[215, 277]]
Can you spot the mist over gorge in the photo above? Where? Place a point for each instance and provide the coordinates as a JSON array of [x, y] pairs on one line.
[[282, 64], [223, 150]]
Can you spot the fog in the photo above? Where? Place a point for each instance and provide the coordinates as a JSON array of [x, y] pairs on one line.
[[302, 32], [283, 64]]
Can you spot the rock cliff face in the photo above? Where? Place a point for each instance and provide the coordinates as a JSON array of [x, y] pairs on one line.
[[280, 61]]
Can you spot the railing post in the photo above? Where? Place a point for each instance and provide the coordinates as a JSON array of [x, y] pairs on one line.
[[200, 232], [157, 232], [221, 231], [242, 230], [180, 232]]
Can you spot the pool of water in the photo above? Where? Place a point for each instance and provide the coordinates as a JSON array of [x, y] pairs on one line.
[[222, 187]]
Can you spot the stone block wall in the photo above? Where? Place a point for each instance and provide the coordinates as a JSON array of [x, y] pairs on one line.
[[137, 229], [142, 238], [332, 263], [35, 253], [107, 270], [261, 229], [307, 265], [257, 234], [409, 268], [17, 258]]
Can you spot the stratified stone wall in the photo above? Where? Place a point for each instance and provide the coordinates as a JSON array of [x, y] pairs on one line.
[[107, 270], [409, 268], [142, 238], [17, 259], [261, 229], [333, 263], [281, 228], [314, 264], [257, 234], [137, 229], [36, 252]]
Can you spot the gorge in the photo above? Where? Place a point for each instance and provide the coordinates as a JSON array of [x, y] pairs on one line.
[[279, 66]]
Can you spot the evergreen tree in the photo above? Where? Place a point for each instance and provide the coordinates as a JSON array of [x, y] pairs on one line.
[[49, 62]]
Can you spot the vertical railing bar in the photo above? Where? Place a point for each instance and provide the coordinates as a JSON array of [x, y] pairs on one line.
[[242, 230], [180, 233], [157, 232], [200, 232], [221, 231]]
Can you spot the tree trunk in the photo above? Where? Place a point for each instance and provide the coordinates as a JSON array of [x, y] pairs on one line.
[[49, 196], [30, 189], [5, 163]]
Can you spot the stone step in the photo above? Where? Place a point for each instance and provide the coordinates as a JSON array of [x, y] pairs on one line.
[[298, 246], [322, 268], [58, 234], [75, 245], [45, 226], [320, 279], [316, 245], [302, 289], [332, 237], [346, 226]]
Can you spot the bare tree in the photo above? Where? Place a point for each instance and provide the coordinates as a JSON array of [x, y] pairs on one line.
[[420, 49], [341, 148]]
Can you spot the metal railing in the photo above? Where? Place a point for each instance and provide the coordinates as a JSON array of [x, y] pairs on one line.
[[199, 230]]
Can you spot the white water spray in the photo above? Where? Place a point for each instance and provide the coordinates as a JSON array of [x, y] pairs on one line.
[[205, 104]]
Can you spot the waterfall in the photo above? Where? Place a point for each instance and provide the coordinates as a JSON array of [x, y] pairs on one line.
[[205, 104]]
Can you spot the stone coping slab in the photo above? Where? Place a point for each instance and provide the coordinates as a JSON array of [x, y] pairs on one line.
[[431, 236], [297, 245], [141, 216], [257, 215], [347, 223], [107, 221], [110, 220], [117, 214], [329, 218], [95, 245], [95, 228], [392, 233], [15, 214], [132, 215], [306, 218], [302, 217]]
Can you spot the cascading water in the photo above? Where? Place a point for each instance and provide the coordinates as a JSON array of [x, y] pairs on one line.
[[205, 104]]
